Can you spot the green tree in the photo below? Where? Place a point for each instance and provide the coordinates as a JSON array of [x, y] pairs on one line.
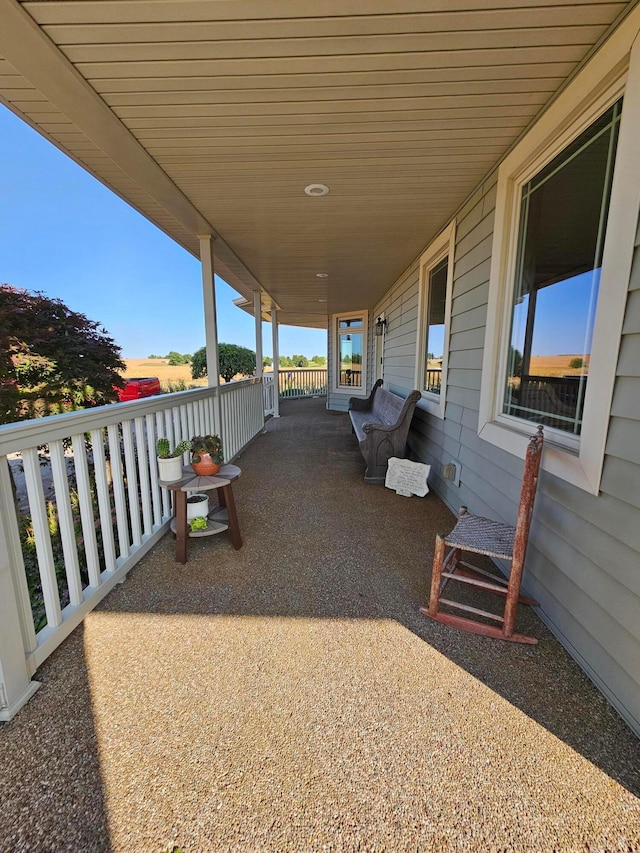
[[300, 361], [52, 359], [515, 361], [199, 363], [233, 360], [176, 358], [285, 361], [267, 361], [320, 360], [576, 362]]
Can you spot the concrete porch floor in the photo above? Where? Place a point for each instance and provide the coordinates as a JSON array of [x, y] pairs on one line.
[[290, 697]]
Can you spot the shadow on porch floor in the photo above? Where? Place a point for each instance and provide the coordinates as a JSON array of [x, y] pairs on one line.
[[290, 697]]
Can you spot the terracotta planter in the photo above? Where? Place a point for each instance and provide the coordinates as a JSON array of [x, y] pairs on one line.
[[205, 467]]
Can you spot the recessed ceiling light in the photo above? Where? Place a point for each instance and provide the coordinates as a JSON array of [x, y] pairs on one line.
[[322, 275], [322, 300], [316, 189]]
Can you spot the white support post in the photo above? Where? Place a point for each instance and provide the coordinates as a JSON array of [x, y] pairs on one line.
[[16, 687], [211, 323], [276, 361], [257, 311]]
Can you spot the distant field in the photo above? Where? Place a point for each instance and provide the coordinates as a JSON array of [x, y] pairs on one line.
[[555, 365], [541, 365], [137, 368]]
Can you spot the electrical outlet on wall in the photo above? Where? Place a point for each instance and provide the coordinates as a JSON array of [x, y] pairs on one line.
[[451, 471]]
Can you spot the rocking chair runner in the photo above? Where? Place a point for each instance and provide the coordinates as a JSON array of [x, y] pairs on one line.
[[494, 539]]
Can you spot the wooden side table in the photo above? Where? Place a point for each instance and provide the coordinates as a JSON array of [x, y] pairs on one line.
[[221, 518]]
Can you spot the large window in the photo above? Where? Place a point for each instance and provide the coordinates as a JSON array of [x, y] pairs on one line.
[[350, 346], [564, 233], [434, 311], [563, 215]]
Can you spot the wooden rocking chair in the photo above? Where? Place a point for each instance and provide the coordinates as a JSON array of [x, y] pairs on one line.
[[495, 539]]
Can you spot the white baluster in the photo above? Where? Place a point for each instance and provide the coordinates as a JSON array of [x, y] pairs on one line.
[[40, 522], [104, 502], [143, 472], [132, 482], [87, 512], [118, 489], [65, 521]]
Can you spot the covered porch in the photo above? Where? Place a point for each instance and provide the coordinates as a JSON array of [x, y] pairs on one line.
[[289, 695]]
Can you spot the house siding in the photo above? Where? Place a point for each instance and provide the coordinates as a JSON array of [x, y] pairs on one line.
[[583, 563]]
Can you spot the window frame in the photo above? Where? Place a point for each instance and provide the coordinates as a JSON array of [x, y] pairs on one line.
[[351, 390], [442, 247], [576, 459]]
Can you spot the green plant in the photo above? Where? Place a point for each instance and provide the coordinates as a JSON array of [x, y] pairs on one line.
[[210, 444], [163, 450], [198, 523]]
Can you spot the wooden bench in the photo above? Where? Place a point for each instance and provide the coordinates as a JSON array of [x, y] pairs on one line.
[[381, 424]]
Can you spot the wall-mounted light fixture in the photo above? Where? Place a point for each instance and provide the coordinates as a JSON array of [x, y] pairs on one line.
[[381, 325]]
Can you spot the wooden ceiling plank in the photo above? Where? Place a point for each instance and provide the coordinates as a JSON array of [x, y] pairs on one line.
[[67, 34], [356, 81], [324, 108], [382, 95], [351, 46], [249, 68], [116, 11]]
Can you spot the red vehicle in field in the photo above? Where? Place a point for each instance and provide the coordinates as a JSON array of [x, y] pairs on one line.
[[136, 389]]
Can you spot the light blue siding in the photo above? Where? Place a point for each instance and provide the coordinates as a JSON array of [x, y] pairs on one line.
[[584, 557]]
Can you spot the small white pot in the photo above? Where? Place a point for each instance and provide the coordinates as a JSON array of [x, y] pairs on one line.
[[197, 508], [170, 470]]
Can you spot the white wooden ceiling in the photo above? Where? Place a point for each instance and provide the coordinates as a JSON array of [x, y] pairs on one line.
[[213, 115]]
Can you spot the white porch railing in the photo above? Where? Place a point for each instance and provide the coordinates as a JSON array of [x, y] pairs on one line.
[[75, 520], [302, 382], [242, 414], [268, 389]]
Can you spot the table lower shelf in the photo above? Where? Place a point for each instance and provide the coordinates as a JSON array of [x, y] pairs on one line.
[[217, 522]]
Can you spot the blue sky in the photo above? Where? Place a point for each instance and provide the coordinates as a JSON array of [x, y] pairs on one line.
[[564, 317], [64, 233]]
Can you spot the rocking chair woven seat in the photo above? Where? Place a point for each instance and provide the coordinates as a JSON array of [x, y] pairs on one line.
[[482, 536], [478, 535]]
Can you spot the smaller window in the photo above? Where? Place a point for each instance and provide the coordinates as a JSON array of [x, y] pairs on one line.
[[350, 372], [434, 312], [434, 341]]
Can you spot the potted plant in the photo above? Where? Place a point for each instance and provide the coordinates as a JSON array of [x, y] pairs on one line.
[[197, 505], [170, 461], [207, 455]]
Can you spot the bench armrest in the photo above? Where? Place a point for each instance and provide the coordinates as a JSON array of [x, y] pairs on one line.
[[374, 427], [359, 404]]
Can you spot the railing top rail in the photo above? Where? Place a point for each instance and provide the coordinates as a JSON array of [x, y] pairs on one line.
[[236, 383], [37, 431]]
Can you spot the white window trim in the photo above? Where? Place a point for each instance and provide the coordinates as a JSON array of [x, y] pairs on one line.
[[442, 247], [364, 330], [598, 86]]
